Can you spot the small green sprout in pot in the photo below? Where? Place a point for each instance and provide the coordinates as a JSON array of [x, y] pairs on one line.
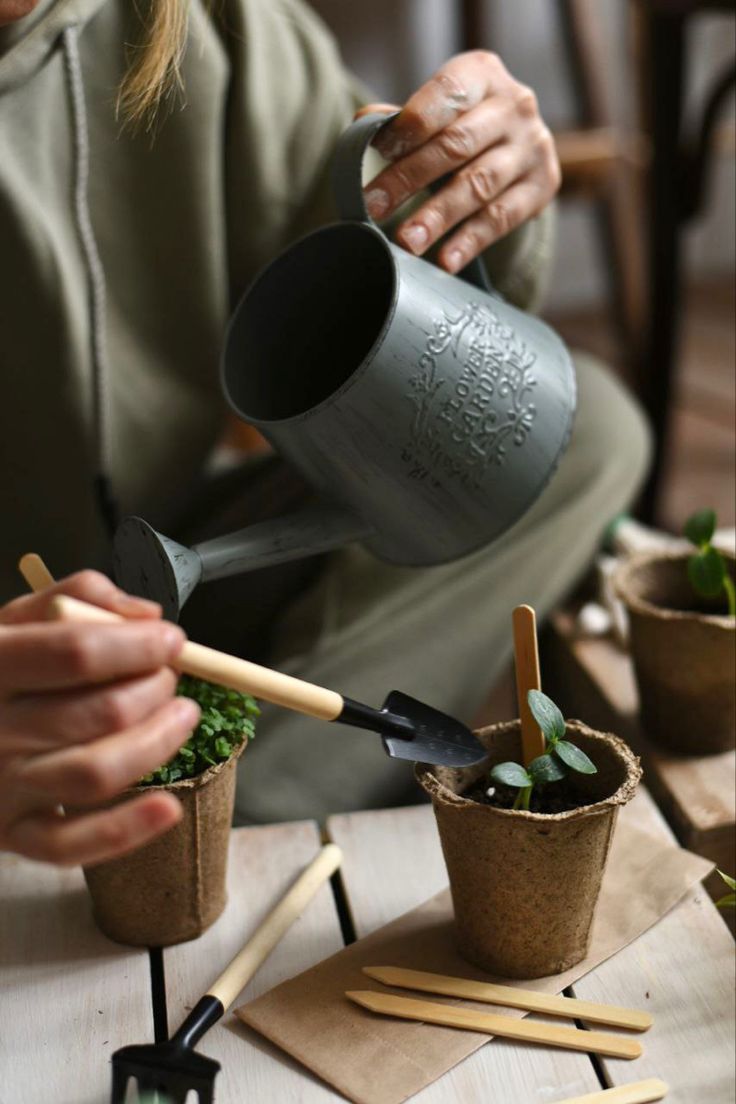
[[682, 633], [173, 889], [525, 865], [707, 569], [729, 899], [559, 758]]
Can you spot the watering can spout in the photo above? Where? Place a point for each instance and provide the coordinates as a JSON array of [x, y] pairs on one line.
[[150, 565]]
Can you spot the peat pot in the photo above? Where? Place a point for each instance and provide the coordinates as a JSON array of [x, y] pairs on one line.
[[684, 653], [172, 889], [524, 885]]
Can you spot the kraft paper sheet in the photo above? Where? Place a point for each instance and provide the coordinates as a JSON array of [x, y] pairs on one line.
[[374, 1059]]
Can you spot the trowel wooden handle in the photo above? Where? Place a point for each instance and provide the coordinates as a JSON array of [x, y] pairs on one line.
[[228, 670], [637, 1092], [242, 968], [526, 660]]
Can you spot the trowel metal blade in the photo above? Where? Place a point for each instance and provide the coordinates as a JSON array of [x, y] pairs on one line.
[[439, 739]]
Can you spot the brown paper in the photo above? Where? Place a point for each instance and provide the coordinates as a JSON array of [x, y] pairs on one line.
[[375, 1060], [525, 885]]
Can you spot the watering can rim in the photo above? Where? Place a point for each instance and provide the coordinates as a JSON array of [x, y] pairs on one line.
[[342, 224]]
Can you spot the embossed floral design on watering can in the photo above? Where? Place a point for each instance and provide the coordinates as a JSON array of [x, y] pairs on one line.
[[426, 411]]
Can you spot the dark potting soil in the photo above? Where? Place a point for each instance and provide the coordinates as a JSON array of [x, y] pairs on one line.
[[556, 798]]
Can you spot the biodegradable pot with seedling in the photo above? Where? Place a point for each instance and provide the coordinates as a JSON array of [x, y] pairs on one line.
[[526, 836], [173, 889], [683, 641]]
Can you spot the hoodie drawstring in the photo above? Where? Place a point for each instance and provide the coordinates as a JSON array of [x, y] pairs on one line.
[[96, 279]]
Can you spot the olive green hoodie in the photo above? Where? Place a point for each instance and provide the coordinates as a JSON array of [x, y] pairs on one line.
[[122, 254]]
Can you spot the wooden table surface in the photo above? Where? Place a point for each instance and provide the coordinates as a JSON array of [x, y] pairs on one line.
[[70, 997]]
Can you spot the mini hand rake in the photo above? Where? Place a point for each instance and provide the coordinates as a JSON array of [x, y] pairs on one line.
[[409, 728], [167, 1072]]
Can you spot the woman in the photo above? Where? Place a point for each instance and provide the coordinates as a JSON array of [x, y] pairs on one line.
[[146, 176]]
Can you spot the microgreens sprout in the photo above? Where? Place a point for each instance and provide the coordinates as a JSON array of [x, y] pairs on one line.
[[228, 718]]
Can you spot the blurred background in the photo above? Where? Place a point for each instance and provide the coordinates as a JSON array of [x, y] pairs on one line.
[[639, 94]]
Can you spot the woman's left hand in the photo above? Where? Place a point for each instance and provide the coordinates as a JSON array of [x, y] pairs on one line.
[[473, 120]]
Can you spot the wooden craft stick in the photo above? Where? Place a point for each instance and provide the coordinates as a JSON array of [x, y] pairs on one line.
[[638, 1092], [529, 1000], [526, 659], [35, 572], [490, 1023]]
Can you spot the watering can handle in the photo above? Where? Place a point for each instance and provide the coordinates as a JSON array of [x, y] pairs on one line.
[[347, 184]]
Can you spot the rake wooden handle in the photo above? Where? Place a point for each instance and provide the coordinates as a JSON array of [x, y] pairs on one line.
[[491, 1023], [526, 659], [638, 1092], [228, 670], [242, 968], [527, 999]]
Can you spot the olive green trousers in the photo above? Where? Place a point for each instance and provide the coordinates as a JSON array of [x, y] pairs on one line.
[[441, 634]]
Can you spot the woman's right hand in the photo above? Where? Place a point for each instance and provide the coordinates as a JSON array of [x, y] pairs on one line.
[[85, 711]]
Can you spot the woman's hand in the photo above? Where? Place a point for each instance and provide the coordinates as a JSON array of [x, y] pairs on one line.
[[86, 710], [473, 120]]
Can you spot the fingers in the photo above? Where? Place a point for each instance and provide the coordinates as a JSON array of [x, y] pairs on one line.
[[60, 655], [95, 837], [35, 723], [517, 204], [89, 586], [469, 191], [453, 147], [459, 85], [87, 774]]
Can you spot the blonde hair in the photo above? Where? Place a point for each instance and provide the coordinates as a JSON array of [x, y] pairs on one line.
[[154, 74]]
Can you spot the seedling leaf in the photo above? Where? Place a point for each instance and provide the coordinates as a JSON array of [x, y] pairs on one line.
[[730, 882], [699, 528], [547, 715], [574, 758], [546, 768], [707, 571], [511, 774]]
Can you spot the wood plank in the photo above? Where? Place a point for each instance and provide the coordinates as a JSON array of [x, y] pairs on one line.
[[263, 864], [70, 996], [682, 972], [594, 678], [393, 862]]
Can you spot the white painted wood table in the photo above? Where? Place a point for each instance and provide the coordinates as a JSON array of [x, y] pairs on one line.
[[69, 997]]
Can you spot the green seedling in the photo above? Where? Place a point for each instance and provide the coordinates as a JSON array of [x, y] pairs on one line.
[[729, 900], [228, 718], [707, 569], [559, 758]]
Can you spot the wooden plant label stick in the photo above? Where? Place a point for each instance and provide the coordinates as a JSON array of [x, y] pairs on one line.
[[492, 1023], [638, 1092], [526, 658], [35, 572], [510, 997]]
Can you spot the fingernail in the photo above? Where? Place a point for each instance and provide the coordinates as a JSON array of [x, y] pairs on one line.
[[416, 237], [377, 202], [187, 711], [173, 638], [454, 260]]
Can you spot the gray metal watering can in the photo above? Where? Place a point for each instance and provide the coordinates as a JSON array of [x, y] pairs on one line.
[[427, 412]]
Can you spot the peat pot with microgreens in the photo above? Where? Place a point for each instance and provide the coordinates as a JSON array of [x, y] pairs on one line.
[[682, 633], [173, 888], [526, 848]]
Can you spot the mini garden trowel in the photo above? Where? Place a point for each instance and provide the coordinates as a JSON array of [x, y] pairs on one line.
[[408, 728]]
